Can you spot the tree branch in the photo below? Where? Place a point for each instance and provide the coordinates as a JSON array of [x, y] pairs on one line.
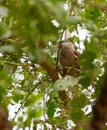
[[53, 73], [100, 109], [4, 123]]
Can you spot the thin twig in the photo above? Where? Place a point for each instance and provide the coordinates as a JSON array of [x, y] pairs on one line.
[[25, 99], [14, 63]]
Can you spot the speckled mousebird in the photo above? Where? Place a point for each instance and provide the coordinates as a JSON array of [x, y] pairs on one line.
[[68, 57]]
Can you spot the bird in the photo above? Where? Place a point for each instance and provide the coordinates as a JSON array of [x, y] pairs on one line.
[[68, 57]]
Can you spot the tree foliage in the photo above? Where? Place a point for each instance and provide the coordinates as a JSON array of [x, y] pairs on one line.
[[31, 86]]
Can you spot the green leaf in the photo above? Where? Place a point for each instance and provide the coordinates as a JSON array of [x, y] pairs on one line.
[[87, 76], [51, 108], [4, 32], [79, 102], [77, 115], [39, 112], [3, 11], [5, 81], [32, 112], [17, 95], [74, 20], [87, 58], [11, 68], [7, 49], [35, 112], [27, 122], [85, 81], [94, 45], [93, 12], [63, 83], [32, 99], [20, 119]]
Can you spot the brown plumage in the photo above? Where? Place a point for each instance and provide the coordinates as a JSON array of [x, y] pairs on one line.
[[68, 58]]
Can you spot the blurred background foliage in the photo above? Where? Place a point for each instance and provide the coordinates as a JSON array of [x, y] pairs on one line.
[[29, 32]]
